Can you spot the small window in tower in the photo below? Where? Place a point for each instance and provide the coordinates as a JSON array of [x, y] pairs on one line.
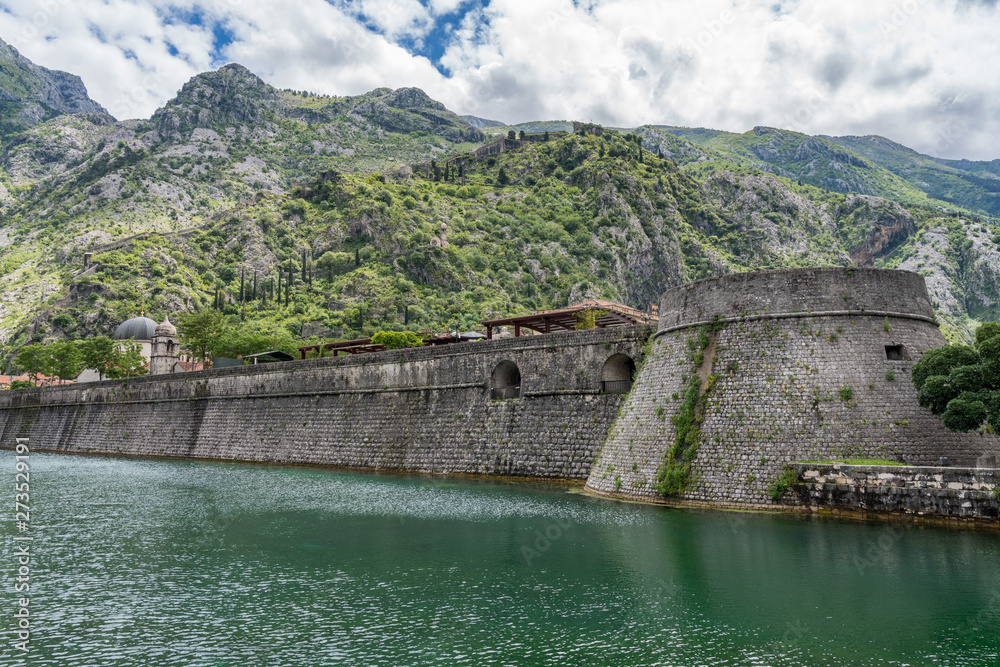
[[896, 353]]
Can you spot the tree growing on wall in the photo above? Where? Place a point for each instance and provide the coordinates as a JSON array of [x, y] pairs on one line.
[[961, 383], [587, 319]]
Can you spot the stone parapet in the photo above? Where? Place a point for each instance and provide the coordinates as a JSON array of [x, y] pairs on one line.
[[816, 291], [968, 493]]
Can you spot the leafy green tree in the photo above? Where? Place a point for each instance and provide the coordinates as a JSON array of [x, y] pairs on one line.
[[65, 360], [201, 331], [986, 331], [587, 319], [962, 383], [396, 340], [128, 361], [233, 342], [99, 353], [334, 262], [61, 359], [34, 360], [941, 360], [21, 384], [964, 414]]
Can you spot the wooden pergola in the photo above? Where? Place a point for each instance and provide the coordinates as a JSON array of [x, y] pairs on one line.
[[566, 319], [356, 346], [364, 345]]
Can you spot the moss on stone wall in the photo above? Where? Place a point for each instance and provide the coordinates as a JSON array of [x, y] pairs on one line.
[[674, 475]]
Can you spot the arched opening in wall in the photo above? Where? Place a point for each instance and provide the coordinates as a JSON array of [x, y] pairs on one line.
[[617, 374], [506, 381]]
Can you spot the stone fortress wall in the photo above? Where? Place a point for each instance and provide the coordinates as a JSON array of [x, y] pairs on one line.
[[796, 365], [800, 365], [417, 410]]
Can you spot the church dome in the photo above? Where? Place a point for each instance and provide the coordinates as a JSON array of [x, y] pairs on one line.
[[166, 329], [137, 328]]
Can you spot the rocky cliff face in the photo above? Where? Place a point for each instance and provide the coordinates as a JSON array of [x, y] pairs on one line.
[[30, 94], [872, 227], [230, 96], [774, 222]]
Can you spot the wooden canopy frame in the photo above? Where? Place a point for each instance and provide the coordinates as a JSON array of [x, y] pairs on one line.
[[566, 319]]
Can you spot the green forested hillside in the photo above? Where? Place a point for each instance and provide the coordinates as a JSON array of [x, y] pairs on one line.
[[971, 185], [235, 188], [868, 165]]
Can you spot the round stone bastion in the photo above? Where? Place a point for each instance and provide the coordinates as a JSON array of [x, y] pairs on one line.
[[749, 372]]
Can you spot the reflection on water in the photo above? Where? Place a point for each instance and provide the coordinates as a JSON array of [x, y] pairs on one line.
[[181, 563]]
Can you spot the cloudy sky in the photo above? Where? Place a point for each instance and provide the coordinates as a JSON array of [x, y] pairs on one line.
[[925, 73]]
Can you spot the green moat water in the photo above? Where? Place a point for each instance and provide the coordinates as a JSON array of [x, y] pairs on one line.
[[180, 563]]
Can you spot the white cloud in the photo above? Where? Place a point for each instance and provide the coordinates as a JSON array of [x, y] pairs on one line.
[[920, 72], [395, 18]]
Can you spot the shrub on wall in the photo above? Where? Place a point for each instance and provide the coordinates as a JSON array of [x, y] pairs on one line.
[[786, 480], [396, 340]]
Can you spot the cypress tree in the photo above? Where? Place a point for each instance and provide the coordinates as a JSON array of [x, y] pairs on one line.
[[255, 284], [241, 286], [357, 257]]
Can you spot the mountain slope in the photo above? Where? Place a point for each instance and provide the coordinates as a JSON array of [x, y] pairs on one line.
[[30, 94], [482, 123], [971, 185], [813, 160], [234, 185], [226, 136], [541, 226]]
